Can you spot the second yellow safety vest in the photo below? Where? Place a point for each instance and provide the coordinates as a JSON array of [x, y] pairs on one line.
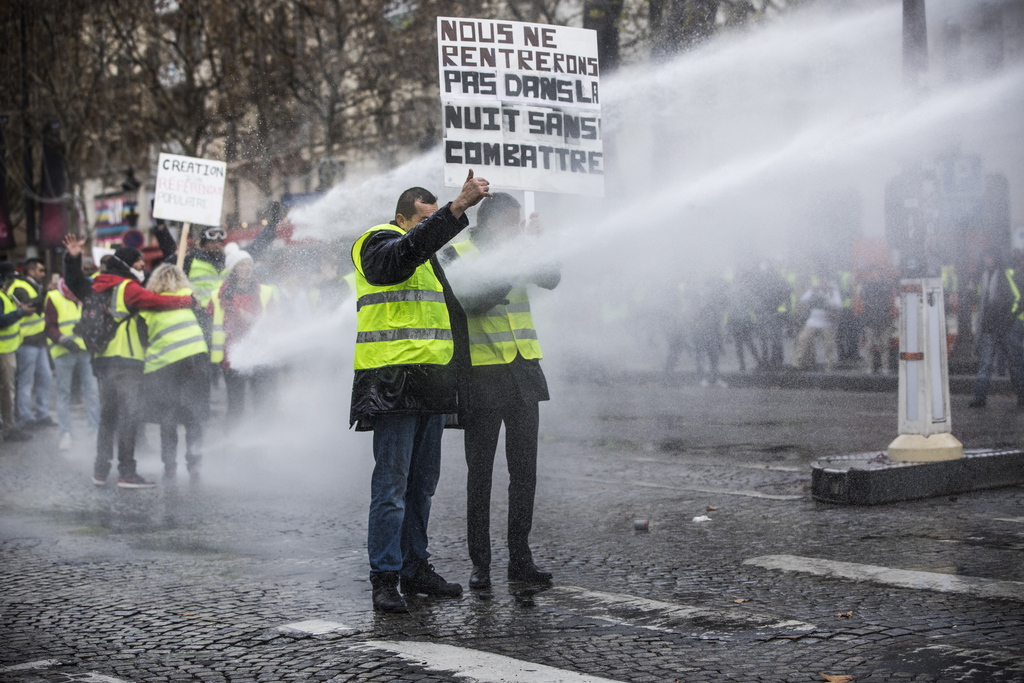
[[173, 335], [68, 315], [497, 336], [126, 342], [10, 336], [34, 324], [206, 280]]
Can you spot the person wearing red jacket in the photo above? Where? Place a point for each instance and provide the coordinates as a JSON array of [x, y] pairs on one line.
[[119, 370]]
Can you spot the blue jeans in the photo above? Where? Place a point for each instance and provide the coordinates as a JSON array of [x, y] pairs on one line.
[[67, 366], [407, 453], [33, 374], [1012, 345]]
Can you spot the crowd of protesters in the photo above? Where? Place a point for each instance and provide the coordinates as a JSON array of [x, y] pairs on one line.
[[785, 319], [172, 331]]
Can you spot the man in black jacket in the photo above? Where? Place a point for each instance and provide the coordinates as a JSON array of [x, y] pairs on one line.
[[411, 355], [999, 325], [506, 386]]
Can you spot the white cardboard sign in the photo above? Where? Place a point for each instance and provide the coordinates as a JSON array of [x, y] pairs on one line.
[[520, 105], [189, 190]]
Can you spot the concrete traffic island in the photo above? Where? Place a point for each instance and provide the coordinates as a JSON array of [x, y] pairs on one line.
[[874, 479]]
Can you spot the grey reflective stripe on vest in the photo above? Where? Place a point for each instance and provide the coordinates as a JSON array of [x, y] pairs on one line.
[[173, 328], [403, 334], [118, 315], [397, 296], [171, 347], [501, 310], [501, 337]]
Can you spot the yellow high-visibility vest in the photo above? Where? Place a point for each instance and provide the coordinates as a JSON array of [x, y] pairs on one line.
[[497, 336], [268, 293], [403, 324], [173, 335], [126, 342], [206, 280], [10, 336], [68, 314], [34, 324]]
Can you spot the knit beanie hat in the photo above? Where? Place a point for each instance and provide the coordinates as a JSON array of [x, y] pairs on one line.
[[128, 255], [233, 255]]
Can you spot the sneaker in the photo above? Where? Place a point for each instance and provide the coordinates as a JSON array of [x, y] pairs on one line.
[[386, 597], [65, 442], [98, 480], [17, 435], [429, 582], [134, 481]]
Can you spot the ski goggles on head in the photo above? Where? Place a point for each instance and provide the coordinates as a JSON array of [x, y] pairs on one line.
[[214, 234]]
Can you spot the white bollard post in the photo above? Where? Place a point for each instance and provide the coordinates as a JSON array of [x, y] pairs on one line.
[[924, 420]]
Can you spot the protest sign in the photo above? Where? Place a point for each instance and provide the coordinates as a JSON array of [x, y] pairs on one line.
[[521, 105], [189, 190]]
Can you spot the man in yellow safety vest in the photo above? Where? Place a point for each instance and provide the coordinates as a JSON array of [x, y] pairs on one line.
[[411, 354], [34, 376], [12, 312], [506, 383]]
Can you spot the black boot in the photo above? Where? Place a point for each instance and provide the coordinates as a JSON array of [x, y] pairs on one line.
[[480, 578], [429, 582], [528, 572], [386, 597]]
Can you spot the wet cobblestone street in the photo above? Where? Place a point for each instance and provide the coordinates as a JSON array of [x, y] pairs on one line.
[[259, 573]]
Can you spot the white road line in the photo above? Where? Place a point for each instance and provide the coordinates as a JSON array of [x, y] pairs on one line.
[[945, 583], [645, 484], [1016, 520], [476, 665], [315, 627], [50, 663], [29, 666], [660, 614], [746, 466]]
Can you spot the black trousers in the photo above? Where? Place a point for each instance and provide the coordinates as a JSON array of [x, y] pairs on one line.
[[119, 402], [522, 420]]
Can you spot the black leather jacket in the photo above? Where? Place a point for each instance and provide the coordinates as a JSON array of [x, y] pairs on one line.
[[388, 258]]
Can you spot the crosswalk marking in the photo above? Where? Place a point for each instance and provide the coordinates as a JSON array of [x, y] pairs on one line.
[[476, 665], [659, 614], [314, 627], [945, 583]]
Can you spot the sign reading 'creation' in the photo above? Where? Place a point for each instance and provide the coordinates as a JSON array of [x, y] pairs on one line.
[[189, 190], [521, 105]]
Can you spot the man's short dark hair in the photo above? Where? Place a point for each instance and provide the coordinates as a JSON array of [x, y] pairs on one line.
[[406, 206], [494, 206]]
